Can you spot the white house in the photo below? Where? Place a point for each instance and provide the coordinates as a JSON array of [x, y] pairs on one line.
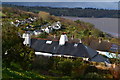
[[56, 25], [37, 32], [48, 29]]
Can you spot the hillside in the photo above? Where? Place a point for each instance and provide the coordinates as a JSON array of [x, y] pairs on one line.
[[16, 13], [20, 62], [79, 29], [75, 12]]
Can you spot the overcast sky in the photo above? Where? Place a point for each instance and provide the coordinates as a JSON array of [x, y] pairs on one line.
[[60, 0]]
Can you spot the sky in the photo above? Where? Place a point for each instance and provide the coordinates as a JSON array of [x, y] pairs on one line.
[[60, 0]]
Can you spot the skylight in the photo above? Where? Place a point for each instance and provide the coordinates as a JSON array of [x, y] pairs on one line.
[[75, 45], [48, 42]]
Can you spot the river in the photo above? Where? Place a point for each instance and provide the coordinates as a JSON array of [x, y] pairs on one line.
[[108, 25]]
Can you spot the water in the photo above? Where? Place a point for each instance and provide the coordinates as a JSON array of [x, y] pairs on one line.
[[103, 5], [109, 25]]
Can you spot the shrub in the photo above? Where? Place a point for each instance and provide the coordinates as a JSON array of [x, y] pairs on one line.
[[43, 35], [40, 63], [91, 69], [65, 67], [113, 60], [93, 75], [78, 72], [44, 15]]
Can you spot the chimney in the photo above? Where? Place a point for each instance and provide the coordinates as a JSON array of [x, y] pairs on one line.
[[63, 39], [72, 37], [100, 40], [80, 41], [27, 39], [54, 36]]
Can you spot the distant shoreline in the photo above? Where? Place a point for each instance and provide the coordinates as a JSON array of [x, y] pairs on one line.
[[68, 4], [108, 25]]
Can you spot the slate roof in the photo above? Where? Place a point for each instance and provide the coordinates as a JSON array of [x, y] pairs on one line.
[[72, 49], [115, 48], [99, 58]]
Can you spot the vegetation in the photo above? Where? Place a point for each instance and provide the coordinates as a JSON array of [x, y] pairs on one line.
[[1, 14], [44, 15], [21, 74], [71, 68], [76, 12], [57, 68], [20, 62], [13, 50]]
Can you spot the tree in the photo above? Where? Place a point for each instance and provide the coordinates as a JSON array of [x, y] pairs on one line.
[[65, 67], [16, 51]]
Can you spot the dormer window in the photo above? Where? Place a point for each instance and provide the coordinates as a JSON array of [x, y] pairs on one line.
[[75, 45], [48, 42]]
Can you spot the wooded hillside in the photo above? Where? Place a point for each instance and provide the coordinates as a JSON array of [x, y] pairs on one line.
[[75, 12]]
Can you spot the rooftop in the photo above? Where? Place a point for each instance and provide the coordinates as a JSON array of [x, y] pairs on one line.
[[72, 49]]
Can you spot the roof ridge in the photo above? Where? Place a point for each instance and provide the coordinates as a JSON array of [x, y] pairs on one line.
[[56, 40]]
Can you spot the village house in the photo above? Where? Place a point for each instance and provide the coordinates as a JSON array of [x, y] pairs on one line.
[[22, 22], [56, 25], [63, 47], [44, 28], [48, 29], [37, 32]]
